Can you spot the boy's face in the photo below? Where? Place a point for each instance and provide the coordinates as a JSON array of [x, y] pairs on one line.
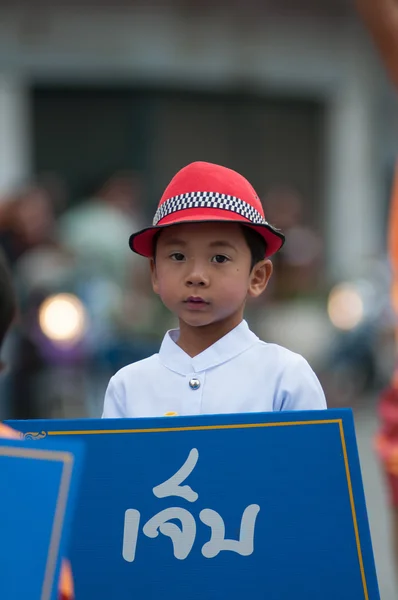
[[202, 273]]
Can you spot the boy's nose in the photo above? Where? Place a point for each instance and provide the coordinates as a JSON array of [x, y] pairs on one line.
[[197, 277]]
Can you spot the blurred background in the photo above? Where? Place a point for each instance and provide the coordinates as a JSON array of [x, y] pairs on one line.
[[102, 101]]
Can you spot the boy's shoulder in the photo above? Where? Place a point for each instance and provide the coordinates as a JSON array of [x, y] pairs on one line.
[[139, 368], [278, 353]]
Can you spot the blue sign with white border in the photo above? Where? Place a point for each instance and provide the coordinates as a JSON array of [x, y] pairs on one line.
[[36, 505], [219, 506]]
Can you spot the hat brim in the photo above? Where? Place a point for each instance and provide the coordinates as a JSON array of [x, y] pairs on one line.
[[142, 241]]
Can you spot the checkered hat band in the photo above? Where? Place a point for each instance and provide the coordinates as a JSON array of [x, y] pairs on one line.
[[208, 200]]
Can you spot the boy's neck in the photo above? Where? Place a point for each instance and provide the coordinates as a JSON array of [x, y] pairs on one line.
[[194, 340]]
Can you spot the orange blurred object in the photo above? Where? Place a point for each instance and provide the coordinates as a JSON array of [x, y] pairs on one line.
[[66, 588], [393, 244]]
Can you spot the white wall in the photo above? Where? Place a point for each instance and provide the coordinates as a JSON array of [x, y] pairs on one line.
[[216, 48]]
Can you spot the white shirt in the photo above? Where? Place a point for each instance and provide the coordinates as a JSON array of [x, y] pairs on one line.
[[237, 374]]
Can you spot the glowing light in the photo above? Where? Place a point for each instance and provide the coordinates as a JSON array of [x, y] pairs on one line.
[[345, 307], [62, 318]]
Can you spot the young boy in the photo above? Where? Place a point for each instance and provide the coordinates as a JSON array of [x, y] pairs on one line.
[[209, 250], [7, 314]]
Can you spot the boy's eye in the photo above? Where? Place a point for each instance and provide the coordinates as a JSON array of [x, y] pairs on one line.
[[177, 256], [219, 258]]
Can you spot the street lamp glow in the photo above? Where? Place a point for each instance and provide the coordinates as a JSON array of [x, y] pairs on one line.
[[62, 318], [345, 307]]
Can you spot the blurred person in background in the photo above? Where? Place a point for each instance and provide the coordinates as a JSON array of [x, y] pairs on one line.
[[114, 288], [298, 265], [8, 302], [297, 318], [8, 310], [28, 240], [381, 19], [26, 221], [94, 229]]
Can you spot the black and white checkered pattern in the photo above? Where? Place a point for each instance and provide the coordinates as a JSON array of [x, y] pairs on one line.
[[209, 200]]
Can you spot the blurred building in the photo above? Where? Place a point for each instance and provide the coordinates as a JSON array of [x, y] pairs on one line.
[[288, 92]]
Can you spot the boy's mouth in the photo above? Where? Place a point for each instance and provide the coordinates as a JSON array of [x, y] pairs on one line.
[[195, 301]]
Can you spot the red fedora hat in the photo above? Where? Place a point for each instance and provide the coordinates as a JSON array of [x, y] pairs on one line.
[[204, 192]]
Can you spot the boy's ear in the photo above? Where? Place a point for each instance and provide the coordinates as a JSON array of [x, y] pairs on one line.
[[154, 277], [259, 277]]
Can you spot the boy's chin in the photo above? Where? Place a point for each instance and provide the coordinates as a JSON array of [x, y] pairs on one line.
[[197, 320], [203, 320]]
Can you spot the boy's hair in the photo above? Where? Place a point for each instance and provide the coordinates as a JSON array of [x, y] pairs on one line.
[[255, 241], [8, 304]]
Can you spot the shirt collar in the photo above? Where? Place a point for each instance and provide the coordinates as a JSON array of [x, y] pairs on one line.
[[235, 342]]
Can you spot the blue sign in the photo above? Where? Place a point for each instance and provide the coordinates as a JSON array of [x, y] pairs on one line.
[[219, 506], [36, 502]]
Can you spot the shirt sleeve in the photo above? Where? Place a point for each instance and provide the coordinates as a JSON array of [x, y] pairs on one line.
[[300, 388], [114, 404]]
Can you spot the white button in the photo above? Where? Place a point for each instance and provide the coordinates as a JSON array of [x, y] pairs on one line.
[[194, 383]]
